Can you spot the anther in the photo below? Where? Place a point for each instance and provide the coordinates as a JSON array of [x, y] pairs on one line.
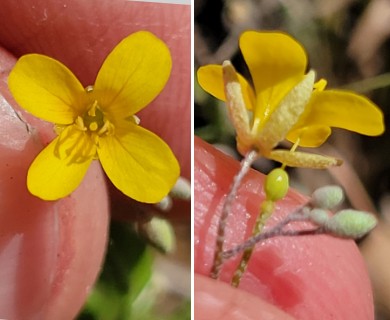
[[80, 124]]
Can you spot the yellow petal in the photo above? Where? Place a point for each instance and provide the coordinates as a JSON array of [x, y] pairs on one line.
[[60, 167], [276, 62], [210, 78], [312, 136], [139, 163], [285, 115], [303, 159], [47, 89], [341, 109], [133, 74]]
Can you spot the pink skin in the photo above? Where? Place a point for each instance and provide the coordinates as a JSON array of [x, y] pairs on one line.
[[51, 252], [312, 277]]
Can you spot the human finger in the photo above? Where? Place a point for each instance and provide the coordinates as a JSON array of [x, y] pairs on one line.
[[50, 252], [217, 300]]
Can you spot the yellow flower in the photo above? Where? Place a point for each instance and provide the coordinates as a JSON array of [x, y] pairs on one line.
[[283, 103], [99, 121]]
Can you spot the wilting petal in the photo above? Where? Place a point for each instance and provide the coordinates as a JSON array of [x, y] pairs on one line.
[[341, 109], [286, 114], [276, 62], [210, 79], [139, 163], [303, 159], [133, 74], [47, 89], [59, 168]]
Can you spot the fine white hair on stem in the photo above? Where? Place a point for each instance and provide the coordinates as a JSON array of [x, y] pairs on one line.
[[246, 163]]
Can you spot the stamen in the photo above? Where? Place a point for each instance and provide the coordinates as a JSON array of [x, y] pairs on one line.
[[296, 144], [107, 128], [80, 124], [92, 110], [293, 148]]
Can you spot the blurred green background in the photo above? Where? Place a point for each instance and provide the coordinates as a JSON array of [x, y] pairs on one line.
[[147, 269]]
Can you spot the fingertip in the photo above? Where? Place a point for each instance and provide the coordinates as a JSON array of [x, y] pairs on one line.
[[50, 252], [218, 300]]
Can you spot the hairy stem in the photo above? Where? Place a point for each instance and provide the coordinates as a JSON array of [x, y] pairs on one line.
[[246, 163], [276, 231], [265, 213]]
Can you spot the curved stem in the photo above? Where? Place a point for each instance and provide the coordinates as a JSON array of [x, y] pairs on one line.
[[265, 213], [246, 163], [276, 231]]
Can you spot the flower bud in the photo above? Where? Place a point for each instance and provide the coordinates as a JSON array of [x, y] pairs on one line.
[[181, 190], [327, 197], [351, 223], [159, 233], [319, 216]]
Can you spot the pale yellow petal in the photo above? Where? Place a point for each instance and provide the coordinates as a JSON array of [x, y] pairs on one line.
[[60, 167], [133, 74], [47, 89], [235, 103], [139, 163], [210, 78], [285, 115]]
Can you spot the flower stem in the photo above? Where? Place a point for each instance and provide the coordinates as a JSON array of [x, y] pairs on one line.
[[246, 163], [276, 231], [265, 213]]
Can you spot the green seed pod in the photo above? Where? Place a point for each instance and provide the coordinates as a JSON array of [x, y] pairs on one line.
[[327, 197], [351, 223], [276, 184]]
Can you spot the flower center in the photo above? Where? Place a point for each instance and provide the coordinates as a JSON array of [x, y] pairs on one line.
[[94, 119]]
